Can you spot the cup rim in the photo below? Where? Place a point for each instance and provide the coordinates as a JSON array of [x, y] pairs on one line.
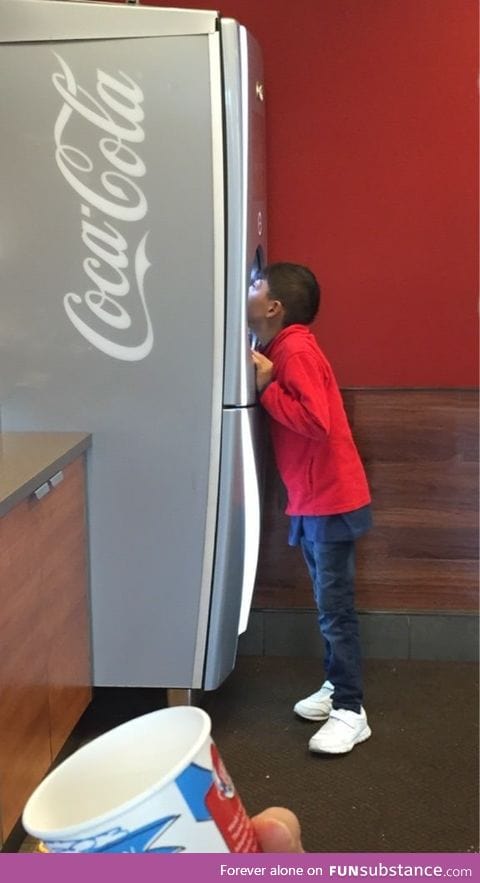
[[47, 834]]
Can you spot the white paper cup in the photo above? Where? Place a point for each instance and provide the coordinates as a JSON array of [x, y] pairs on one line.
[[155, 784]]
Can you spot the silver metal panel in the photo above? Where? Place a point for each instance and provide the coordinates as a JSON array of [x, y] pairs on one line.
[[238, 536], [246, 199], [218, 354], [26, 20], [111, 319]]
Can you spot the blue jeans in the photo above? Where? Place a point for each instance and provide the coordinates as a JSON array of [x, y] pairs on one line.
[[332, 571]]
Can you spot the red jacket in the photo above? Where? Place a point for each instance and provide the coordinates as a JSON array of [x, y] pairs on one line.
[[312, 442]]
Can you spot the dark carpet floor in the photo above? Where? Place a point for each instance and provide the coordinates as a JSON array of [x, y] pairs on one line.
[[412, 787]]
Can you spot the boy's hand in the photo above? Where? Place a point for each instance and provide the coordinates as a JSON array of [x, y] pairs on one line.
[[263, 369]]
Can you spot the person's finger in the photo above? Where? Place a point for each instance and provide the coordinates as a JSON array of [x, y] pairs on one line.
[[278, 830]]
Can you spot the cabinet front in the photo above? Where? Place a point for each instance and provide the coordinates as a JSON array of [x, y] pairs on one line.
[[45, 679], [24, 718], [62, 556]]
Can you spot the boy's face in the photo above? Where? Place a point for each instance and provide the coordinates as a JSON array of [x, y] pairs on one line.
[[258, 304], [264, 314]]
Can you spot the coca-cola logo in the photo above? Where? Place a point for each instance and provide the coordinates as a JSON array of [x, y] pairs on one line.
[[105, 171]]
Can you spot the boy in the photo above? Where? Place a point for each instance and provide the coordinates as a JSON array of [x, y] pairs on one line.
[[328, 496]]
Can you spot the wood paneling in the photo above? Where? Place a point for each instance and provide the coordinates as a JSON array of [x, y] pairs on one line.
[[420, 450], [24, 720], [62, 514], [44, 636]]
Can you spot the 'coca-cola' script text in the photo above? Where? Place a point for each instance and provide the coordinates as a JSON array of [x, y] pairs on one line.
[[110, 198]]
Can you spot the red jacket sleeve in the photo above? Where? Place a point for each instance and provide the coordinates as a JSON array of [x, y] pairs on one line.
[[298, 399]]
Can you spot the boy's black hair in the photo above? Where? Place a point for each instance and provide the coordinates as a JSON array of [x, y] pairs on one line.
[[296, 288]]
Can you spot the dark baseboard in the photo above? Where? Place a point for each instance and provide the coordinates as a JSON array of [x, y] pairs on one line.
[[442, 636]]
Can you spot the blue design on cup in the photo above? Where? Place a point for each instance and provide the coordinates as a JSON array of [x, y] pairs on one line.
[[194, 783], [120, 840]]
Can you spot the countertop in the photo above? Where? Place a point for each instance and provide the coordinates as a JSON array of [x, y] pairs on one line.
[[28, 459]]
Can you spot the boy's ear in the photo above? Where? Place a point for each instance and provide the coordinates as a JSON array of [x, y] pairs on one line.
[[275, 308]]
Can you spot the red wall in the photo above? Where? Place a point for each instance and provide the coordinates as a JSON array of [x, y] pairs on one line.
[[372, 149]]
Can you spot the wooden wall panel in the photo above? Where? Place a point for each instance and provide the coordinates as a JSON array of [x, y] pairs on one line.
[[24, 721], [61, 528], [420, 450], [44, 636]]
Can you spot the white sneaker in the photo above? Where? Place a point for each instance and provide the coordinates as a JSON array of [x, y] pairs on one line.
[[343, 730], [318, 706]]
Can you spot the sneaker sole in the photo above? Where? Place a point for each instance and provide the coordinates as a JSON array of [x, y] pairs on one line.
[[311, 717], [362, 737]]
